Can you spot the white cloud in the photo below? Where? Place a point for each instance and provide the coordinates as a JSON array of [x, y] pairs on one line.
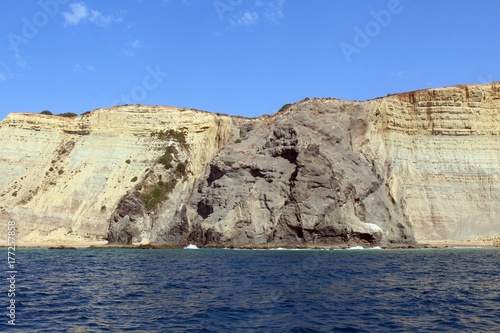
[[131, 47], [100, 20], [3, 77], [245, 19], [80, 12], [136, 44], [270, 11], [274, 11]]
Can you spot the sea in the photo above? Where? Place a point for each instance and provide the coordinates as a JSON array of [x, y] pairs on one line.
[[230, 290]]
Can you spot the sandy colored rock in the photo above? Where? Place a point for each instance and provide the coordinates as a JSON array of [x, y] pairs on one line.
[[420, 166]]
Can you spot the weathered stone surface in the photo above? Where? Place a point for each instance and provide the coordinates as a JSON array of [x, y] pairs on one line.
[[296, 179], [409, 167]]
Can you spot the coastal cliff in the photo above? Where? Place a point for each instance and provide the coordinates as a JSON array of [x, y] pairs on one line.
[[396, 170]]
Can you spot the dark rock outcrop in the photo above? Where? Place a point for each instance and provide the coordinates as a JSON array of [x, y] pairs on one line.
[[296, 179]]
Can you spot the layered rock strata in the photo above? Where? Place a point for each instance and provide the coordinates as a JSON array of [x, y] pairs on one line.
[[409, 167]]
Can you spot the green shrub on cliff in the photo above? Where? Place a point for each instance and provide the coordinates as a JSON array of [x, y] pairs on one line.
[[167, 158], [180, 169], [284, 107], [179, 136], [154, 195], [68, 115]]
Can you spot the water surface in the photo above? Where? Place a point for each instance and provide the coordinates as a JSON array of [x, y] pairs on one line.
[[209, 290]]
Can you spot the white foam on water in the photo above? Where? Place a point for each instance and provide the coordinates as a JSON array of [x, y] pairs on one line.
[[466, 247], [356, 248], [191, 247]]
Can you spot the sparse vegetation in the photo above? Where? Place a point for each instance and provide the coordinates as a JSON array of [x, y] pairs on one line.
[[154, 195], [60, 172], [167, 158], [127, 161], [47, 113], [237, 141], [133, 180], [51, 169], [103, 208], [284, 107], [180, 169], [179, 136], [68, 115], [14, 194]]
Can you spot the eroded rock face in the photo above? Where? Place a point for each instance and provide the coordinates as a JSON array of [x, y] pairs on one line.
[[395, 170], [296, 179]]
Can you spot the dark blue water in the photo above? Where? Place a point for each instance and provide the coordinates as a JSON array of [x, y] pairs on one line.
[[130, 290]]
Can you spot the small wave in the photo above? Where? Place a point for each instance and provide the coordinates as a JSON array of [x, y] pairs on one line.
[[359, 247], [466, 247], [191, 247], [355, 248]]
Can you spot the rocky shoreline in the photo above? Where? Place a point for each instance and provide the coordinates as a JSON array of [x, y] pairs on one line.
[[487, 242]]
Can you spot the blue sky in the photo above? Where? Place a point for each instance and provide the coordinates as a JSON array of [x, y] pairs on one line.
[[241, 57]]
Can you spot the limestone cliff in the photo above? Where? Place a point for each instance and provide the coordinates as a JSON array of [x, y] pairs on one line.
[[409, 167]]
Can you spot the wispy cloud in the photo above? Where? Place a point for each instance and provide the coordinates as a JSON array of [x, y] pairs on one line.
[[270, 11], [245, 19], [3, 77], [274, 11], [77, 68], [131, 47], [79, 12], [100, 20]]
